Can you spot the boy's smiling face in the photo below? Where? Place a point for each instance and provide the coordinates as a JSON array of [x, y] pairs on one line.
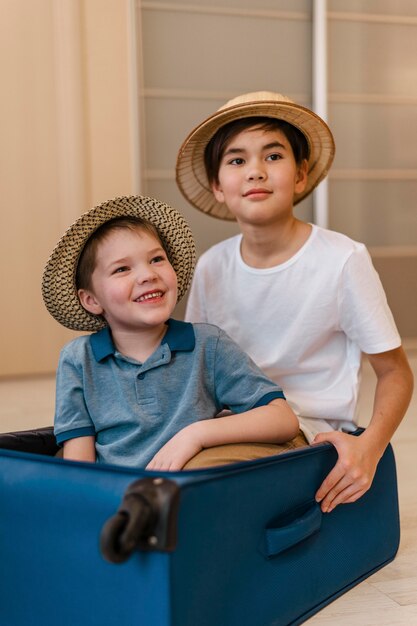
[[258, 177], [134, 286]]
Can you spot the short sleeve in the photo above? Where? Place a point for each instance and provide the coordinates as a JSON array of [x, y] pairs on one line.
[[239, 383], [365, 316], [71, 414], [196, 309]]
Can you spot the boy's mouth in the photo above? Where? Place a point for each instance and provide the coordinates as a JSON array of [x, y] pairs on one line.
[[152, 295], [256, 191]]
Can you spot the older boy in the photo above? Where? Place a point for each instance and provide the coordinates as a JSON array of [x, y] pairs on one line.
[[302, 301], [144, 390]]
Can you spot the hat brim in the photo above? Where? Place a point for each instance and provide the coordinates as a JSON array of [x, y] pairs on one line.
[[190, 170], [59, 289]]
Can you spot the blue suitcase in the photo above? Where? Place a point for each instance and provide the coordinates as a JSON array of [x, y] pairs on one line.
[[238, 545]]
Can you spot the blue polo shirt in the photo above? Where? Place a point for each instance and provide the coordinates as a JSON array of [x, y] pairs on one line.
[[134, 408]]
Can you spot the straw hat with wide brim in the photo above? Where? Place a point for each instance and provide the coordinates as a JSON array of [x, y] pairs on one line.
[[191, 174], [58, 285]]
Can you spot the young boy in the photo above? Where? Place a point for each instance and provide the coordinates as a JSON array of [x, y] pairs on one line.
[[144, 390], [302, 301]]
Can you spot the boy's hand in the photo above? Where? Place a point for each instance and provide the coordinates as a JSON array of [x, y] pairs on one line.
[[353, 473], [177, 451]]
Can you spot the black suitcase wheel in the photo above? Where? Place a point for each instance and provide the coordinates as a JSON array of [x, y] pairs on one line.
[[146, 520]]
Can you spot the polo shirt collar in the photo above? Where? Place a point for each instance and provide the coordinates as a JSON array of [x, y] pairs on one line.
[[180, 337]]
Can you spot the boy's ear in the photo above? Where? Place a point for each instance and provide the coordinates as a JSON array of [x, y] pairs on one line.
[[90, 302], [217, 192], [302, 176]]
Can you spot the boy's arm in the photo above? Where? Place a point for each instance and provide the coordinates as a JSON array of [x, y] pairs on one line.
[[358, 458], [71, 413], [80, 449], [272, 423]]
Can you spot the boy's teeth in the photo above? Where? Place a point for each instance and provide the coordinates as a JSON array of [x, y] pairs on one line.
[[149, 296]]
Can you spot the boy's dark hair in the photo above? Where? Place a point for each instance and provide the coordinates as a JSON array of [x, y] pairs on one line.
[[217, 145], [87, 260]]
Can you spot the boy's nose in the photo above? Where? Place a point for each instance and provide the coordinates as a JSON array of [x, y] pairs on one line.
[[256, 172], [146, 275], [257, 176]]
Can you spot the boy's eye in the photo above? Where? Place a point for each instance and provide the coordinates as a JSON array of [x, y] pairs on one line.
[[274, 157], [158, 258], [122, 268]]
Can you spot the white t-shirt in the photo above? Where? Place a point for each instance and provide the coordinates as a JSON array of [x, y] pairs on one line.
[[305, 322]]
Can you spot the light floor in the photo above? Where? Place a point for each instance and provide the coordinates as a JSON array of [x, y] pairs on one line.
[[389, 597]]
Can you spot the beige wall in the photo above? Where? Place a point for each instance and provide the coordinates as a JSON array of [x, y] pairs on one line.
[[66, 145], [110, 122]]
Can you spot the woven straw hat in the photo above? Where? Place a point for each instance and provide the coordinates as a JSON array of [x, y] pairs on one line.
[[191, 174], [58, 285]]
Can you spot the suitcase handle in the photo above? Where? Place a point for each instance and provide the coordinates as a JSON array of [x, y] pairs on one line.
[[278, 539]]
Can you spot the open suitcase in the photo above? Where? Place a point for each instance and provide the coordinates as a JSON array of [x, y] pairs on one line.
[[238, 545]]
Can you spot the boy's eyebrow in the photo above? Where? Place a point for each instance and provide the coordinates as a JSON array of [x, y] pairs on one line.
[[116, 261], [274, 144], [155, 250], [268, 146], [124, 259]]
